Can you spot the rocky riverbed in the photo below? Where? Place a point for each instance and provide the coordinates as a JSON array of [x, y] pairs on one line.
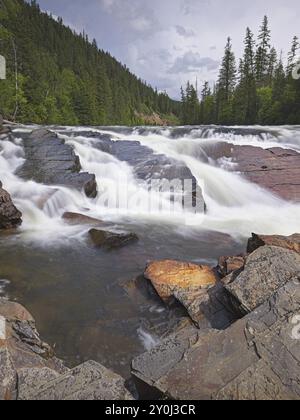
[[222, 331]]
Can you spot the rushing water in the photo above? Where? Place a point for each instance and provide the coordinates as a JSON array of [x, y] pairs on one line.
[[81, 296]]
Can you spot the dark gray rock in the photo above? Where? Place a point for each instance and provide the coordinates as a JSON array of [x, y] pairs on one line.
[[266, 270], [10, 216], [52, 162], [111, 240]]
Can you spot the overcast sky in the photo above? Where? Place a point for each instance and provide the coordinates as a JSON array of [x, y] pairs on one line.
[[167, 42]]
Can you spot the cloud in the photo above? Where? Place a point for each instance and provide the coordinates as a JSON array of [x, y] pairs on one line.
[[191, 62], [137, 16], [186, 33], [190, 7]]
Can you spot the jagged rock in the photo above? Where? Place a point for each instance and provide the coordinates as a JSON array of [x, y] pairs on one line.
[[169, 277], [80, 219], [10, 216], [29, 370], [257, 357], [289, 242], [52, 162], [89, 381], [266, 270], [111, 240]]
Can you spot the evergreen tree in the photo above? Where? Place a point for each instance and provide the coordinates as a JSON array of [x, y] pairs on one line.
[[263, 53], [247, 85], [226, 85], [292, 56]]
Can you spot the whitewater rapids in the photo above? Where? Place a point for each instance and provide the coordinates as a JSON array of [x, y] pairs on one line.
[[235, 206]]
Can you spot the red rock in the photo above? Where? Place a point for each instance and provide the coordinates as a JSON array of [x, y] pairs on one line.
[[288, 242]]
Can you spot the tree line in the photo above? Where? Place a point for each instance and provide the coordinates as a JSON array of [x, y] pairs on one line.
[[57, 76], [260, 89]]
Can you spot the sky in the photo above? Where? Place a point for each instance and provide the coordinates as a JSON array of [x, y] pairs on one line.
[[167, 42]]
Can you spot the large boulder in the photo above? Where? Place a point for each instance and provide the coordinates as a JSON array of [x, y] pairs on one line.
[[266, 270], [169, 277], [288, 242], [52, 162], [10, 216], [196, 288]]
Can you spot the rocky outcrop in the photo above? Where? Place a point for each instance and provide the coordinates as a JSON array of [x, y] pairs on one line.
[[52, 162], [10, 216], [288, 242], [266, 270], [30, 371], [111, 240], [276, 169], [255, 357]]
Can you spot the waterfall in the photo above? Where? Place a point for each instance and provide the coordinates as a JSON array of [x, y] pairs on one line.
[[235, 206]]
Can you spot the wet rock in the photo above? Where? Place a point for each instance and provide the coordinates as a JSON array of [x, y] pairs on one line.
[[110, 240], [10, 216], [149, 166], [276, 169], [288, 242], [257, 357], [52, 162], [266, 270], [80, 219], [169, 277]]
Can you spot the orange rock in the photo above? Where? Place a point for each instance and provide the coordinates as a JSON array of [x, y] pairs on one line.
[[169, 277]]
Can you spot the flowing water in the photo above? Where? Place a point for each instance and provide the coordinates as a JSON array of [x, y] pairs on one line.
[[83, 298]]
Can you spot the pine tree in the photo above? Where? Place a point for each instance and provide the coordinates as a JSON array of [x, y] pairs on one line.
[[263, 53], [292, 56], [247, 85], [226, 84], [272, 66]]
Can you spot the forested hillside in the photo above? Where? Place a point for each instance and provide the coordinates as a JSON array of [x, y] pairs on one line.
[[57, 76], [262, 89]]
